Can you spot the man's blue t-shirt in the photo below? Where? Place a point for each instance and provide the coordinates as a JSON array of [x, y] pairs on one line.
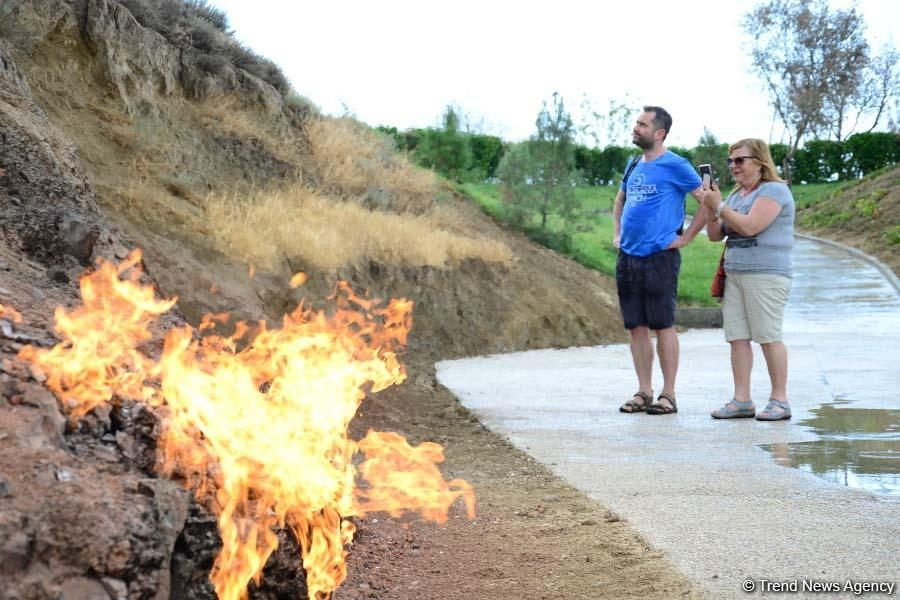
[[654, 203]]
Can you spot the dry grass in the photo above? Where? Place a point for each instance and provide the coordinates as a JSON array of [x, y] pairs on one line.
[[229, 115], [354, 162], [296, 223]]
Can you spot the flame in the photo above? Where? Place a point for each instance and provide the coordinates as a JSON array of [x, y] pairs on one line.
[[8, 312], [398, 474], [298, 279], [258, 427], [98, 356]]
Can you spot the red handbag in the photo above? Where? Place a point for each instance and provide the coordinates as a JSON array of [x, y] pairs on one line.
[[717, 287]]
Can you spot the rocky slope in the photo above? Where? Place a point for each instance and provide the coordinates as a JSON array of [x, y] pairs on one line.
[[105, 144]]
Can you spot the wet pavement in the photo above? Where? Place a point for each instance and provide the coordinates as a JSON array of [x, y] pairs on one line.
[[811, 500]]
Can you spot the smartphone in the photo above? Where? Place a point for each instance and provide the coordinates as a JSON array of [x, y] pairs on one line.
[[706, 173]]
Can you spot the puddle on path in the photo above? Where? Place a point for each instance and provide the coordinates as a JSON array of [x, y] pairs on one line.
[[859, 447]]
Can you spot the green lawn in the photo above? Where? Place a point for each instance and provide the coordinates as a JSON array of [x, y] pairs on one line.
[[810, 193], [593, 242]]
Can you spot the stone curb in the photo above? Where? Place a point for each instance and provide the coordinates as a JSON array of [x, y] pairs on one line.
[[883, 268], [699, 317]]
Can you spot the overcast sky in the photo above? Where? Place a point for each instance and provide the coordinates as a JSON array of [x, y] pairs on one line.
[[401, 62]]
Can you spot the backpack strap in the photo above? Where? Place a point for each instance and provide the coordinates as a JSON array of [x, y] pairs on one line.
[[631, 166]]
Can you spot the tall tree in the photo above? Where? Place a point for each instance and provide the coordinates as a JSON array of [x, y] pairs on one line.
[[609, 126], [711, 151], [539, 175], [445, 150], [815, 62]]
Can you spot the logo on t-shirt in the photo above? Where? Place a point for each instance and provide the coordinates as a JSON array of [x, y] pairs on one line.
[[639, 190]]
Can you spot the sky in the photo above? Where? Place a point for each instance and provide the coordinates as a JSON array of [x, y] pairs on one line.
[[402, 62]]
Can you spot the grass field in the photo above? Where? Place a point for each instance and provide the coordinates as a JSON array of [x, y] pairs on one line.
[[593, 242]]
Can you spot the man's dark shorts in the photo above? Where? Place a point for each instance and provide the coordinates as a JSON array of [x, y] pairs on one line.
[[647, 288]]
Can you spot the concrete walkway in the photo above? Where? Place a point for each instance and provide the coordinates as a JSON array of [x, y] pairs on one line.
[[702, 490]]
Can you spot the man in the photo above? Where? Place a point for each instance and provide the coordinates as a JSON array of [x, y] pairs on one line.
[[648, 217]]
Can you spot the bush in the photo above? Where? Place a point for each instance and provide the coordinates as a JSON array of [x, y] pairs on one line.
[[892, 235], [559, 241], [214, 16]]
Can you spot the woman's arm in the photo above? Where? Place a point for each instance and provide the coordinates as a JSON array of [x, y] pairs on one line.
[[715, 230], [761, 215]]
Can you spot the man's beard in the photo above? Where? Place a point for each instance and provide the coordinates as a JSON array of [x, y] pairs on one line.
[[642, 142]]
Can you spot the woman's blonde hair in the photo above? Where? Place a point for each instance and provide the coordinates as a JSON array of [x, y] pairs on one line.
[[759, 150]]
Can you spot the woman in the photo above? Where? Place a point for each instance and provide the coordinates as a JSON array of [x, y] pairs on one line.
[[757, 219]]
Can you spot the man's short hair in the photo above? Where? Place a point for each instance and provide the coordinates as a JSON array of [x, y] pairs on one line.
[[662, 120]]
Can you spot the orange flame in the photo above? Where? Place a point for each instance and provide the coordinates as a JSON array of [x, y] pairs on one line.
[[98, 354], [260, 432], [8, 312]]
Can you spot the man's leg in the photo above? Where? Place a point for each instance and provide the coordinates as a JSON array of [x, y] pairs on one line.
[[642, 356], [661, 318], [668, 350], [630, 286]]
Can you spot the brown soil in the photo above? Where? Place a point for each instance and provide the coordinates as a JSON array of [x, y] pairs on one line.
[[534, 535], [96, 161]]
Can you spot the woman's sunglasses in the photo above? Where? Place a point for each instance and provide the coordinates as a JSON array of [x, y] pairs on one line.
[[737, 160]]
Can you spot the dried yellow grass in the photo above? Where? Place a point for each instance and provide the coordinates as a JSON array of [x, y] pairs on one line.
[[229, 115], [297, 224], [354, 162]]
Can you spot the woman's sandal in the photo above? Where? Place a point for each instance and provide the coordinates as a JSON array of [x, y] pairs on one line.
[[741, 410], [632, 406], [771, 412], [658, 408]]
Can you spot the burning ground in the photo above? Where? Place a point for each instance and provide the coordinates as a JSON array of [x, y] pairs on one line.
[[115, 139], [257, 428]]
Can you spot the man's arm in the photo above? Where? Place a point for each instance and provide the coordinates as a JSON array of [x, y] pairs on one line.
[[697, 223], [701, 216], [618, 205]]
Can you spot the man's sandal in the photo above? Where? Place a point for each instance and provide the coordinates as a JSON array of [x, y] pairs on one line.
[[658, 408], [633, 406], [735, 410], [772, 412]]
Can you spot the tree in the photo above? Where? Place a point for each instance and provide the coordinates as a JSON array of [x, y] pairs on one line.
[[710, 151], [612, 125], [538, 176], [816, 65], [445, 150], [882, 84], [487, 150]]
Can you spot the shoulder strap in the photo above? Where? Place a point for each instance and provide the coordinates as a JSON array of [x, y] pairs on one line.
[[631, 166]]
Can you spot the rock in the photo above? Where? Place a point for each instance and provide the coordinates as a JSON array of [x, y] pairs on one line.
[[116, 588], [139, 63], [81, 588], [43, 173], [78, 239], [57, 275], [15, 542], [47, 425]]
